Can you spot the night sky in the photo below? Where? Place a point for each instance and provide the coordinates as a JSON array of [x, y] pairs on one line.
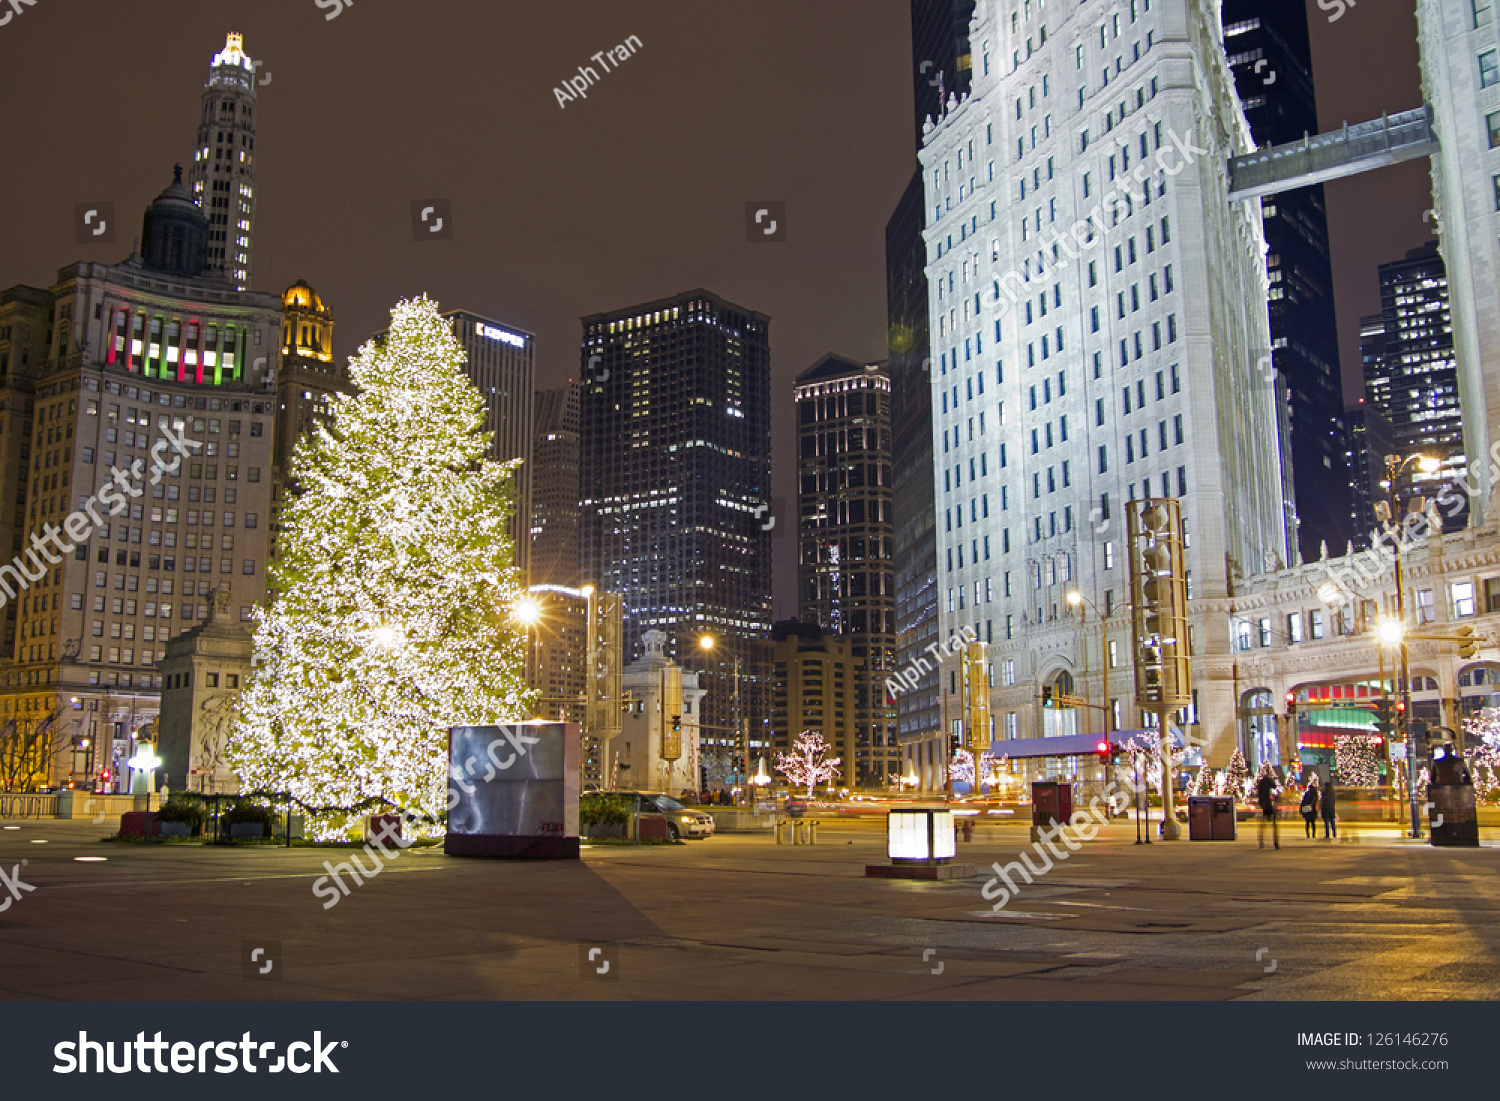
[[632, 194]]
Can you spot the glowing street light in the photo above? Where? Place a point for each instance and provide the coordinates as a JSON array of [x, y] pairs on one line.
[[1391, 631]]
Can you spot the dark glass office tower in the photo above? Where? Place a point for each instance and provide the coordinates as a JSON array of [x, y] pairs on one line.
[[845, 536], [940, 65], [675, 465], [1268, 49], [1370, 441], [1413, 377]]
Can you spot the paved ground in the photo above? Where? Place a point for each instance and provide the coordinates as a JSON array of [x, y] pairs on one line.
[[736, 917]]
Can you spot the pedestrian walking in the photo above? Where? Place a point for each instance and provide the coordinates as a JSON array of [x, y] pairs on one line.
[[1310, 811], [1328, 807], [1265, 793]]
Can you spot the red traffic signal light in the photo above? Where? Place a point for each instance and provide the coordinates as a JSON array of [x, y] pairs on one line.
[[1102, 748]]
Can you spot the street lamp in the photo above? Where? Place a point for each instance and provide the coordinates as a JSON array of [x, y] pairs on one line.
[[528, 612], [708, 643], [1394, 464]]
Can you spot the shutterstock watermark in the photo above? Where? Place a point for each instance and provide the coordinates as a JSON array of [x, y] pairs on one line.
[[512, 746], [1084, 824], [904, 680], [82, 523], [1089, 233], [185, 1057], [577, 87], [13, 885]]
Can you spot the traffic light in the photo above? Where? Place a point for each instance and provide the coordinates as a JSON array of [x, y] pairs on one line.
[[1385, 715], [1047, 696], [1159, 603], [1291, 706], [1103, 750], [676, 724], [1468, 645]]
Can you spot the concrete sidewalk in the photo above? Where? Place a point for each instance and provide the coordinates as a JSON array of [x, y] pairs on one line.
[[737, 917]]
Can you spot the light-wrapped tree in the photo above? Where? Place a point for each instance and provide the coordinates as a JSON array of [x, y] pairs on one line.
[[394, 585], [808, 763]]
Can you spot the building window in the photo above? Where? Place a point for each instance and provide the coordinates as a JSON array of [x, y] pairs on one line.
[[1463, 598], [1426, 606], [1489, 68], [1493, 119], [1294, 627], [1315, 624], [1008, 672]]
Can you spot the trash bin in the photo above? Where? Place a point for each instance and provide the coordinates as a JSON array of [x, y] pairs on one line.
[[1051, 803], [1223, 818], [1200, 818]]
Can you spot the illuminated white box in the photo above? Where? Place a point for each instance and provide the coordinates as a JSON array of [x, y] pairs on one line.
[[920, 835]]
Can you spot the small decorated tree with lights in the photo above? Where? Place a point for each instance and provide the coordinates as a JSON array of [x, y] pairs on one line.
[[962, 768], [1236, 774], [808, 763], [393, 585], [1482, 737]]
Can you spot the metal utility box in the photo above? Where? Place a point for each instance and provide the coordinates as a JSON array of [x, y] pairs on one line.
[[513, 791], [1051, 803], [1454, 811]]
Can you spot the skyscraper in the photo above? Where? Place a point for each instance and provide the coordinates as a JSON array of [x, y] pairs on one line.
[[1099, 310], [1269, 52], [159, 347], [222, 177], [845, 537], [562, 631], [1460, 51], [502, 364], [555, 488], [1370, 441], [676, 480], [1413, 379], [25, 329], [940, 64]]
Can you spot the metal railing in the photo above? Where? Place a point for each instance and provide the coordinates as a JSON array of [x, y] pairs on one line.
[[1388, 140]]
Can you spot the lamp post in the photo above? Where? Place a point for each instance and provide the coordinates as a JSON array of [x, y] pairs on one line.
[[708, 643], [1394, 464], [528, 612]]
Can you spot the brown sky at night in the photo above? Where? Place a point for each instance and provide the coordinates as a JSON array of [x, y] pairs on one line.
[[632, 194]]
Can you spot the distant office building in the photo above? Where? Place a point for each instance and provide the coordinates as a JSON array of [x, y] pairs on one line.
[[159, 346], [222, 177], [941, 65], [845, 537], [676, 481], [1413, 380], [25, 333], [502, 364], [816, 677], [1269, 52], [1370, 441], [561, 644], [306, 380], [555, 487]]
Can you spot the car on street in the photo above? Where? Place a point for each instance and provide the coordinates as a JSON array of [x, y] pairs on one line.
[[682, 822]]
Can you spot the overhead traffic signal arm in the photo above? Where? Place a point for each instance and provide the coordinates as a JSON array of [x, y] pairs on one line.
[[1468, 643]]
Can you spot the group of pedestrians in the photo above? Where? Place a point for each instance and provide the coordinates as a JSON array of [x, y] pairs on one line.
[[1317, 800]]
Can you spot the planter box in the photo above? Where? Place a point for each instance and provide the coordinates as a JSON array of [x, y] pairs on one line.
[[172, 829], [599, 830], [247, 829]]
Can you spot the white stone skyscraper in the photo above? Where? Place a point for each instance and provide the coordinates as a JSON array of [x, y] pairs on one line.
[[1099, 334], [1460, 49], [222, 176]]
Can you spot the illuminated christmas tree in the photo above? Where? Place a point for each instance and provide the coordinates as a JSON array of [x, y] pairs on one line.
[[394, 583], [808, 762], [962, 767], [1236, 774], [1482, 741]]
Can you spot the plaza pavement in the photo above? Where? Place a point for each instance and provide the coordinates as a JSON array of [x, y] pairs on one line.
[[1370, 917]]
